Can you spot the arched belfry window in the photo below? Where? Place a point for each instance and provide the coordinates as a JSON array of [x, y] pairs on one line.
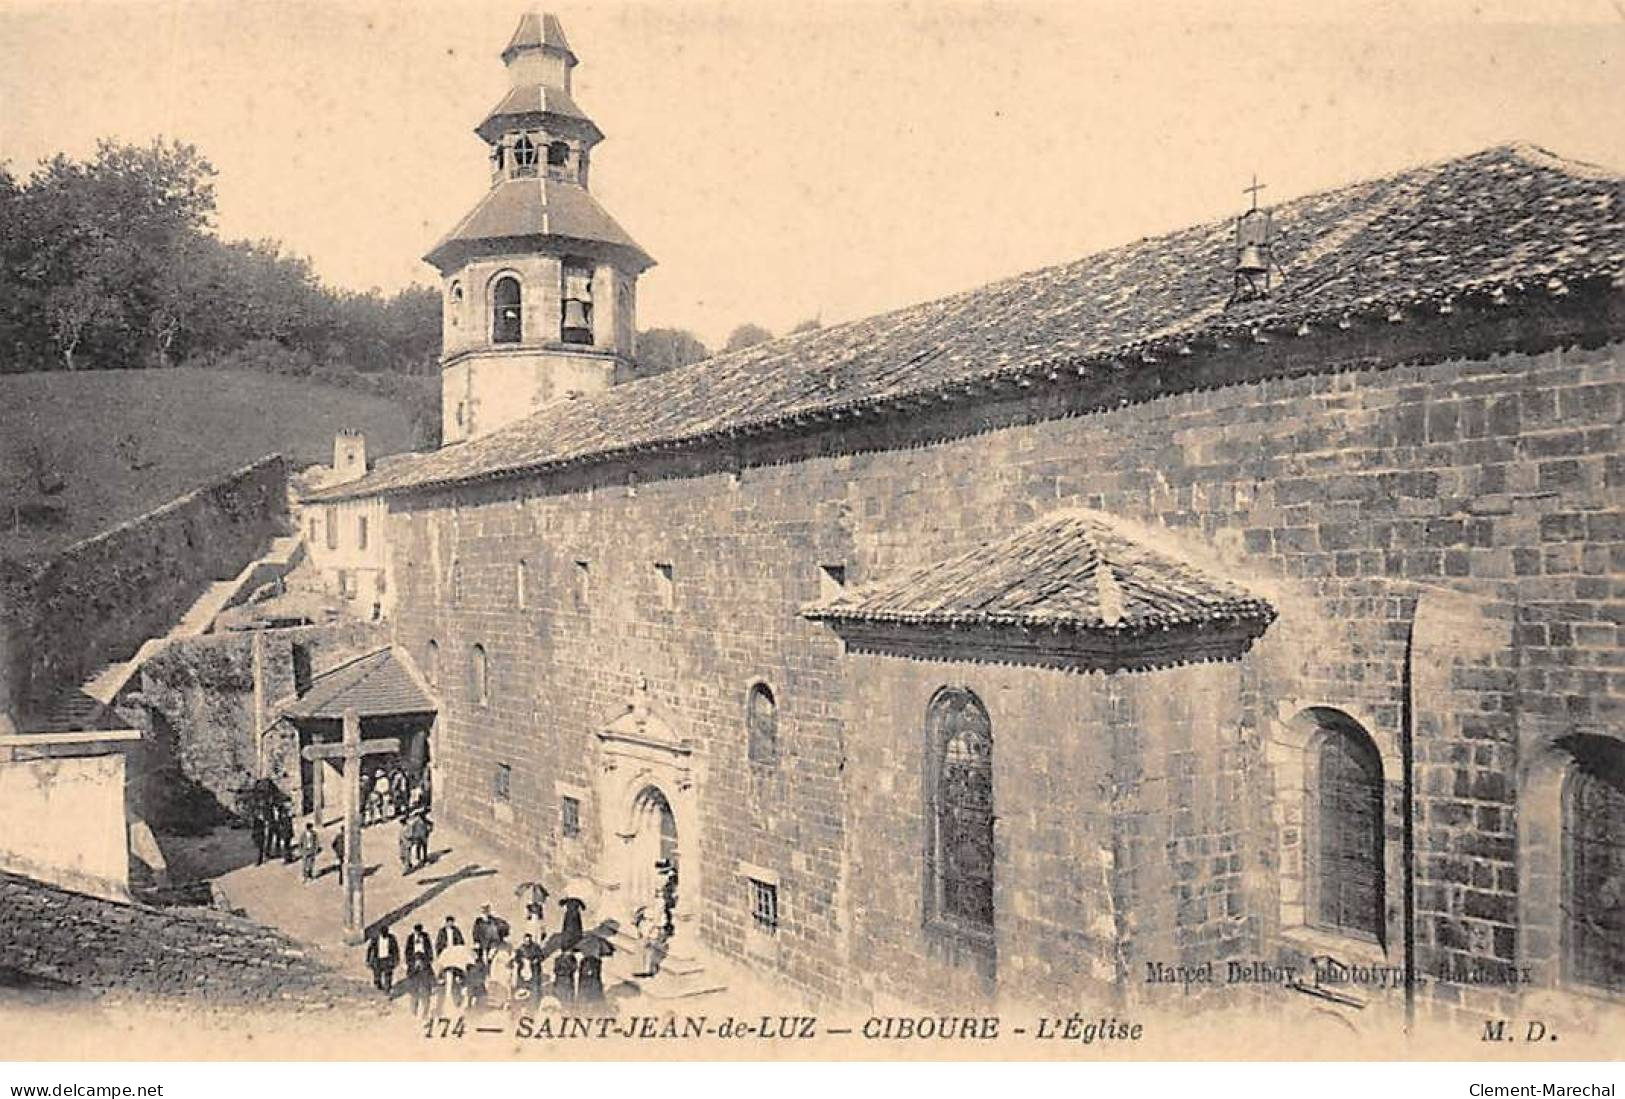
[[524, 156], [507, 323], [1594, 868], [960, 745], [1345, 871], [762, 724]]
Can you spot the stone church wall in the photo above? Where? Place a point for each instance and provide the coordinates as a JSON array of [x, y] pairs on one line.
[[1341, 497]]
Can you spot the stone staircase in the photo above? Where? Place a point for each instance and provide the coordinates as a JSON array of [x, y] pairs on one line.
[[682, 975]]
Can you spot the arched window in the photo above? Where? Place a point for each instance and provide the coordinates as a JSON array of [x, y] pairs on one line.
[[762, 723], [1594, 867], [431, 663], [1345, 872], [456, 300], [959, 738], [480, 676], [507, 315]]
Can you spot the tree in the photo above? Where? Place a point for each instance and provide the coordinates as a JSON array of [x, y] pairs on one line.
[[746, 335], [663, 349], [811, 324]]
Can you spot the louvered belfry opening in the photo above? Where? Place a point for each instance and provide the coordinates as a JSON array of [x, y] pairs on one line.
[[1346, 875], [1594, 871]]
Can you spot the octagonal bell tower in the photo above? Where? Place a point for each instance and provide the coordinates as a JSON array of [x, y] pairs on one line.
[[540, 282]]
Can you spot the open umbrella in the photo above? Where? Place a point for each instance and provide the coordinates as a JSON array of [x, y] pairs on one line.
[[455, 956], [531, 892], [581, 889], [593, 945]]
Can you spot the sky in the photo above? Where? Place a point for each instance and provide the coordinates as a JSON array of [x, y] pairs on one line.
[[790, 160]]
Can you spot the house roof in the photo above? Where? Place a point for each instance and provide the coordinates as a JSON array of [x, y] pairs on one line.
[[1075, 570], [518, 213], [379, 684], [1512, 217]]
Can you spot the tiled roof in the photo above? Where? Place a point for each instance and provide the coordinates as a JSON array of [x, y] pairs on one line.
[[534, 99], [1073, 570], [518, 209], [1508, 217], [376, 685]]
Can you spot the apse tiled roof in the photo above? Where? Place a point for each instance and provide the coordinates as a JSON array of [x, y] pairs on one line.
[[531, 207], [376, 685], [1072, 570], [1510, 218]]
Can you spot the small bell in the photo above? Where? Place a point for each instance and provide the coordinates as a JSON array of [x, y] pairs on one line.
[[1250, 260]]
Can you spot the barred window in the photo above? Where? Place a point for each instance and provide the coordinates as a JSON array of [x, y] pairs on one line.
[[960, 742], [762, 724], [570, 816], [1347, 878], [1594, 879], [764, 906]]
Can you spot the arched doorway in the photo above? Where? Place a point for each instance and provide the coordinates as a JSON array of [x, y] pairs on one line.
[[653, 847]]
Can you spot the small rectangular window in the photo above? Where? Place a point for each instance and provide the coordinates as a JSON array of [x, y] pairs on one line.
[[583, 585], [570, 816], [831, 581], [764, 906], [502, 782], [665, 586]]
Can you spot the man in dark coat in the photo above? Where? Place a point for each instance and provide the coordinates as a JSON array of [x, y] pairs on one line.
[[527, 968], [448, 935], [383, 955], [284, 833], [488, 931], [419, 967], [257, 826], [338, 853], [309, 847]]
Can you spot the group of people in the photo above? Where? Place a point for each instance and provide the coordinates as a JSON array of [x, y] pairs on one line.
[[485, 970], [271, 824], [391, 794]]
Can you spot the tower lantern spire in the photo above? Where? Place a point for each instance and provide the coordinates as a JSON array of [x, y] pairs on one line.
[[538, 52]]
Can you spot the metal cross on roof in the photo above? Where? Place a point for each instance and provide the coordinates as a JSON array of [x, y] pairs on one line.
[[1254, 189]]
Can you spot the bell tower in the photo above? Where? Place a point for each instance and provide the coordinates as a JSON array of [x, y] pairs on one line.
[[540, 282]]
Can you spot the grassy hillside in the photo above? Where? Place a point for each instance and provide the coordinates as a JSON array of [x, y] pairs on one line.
[[80, 452]]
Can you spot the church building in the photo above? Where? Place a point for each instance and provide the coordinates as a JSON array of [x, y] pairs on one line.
[[1247, 593]]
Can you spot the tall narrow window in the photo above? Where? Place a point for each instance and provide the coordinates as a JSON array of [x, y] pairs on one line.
[[575, 292], [361, 532], [583, 585], [507, 312], [762, 724], [1346, 876], [332, 528], [480, 672], [665, 586], [1594, 871], [960, 741], [431, 664], [521, 583]]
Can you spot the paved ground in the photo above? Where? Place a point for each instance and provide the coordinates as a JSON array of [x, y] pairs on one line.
[[460, 877], [58, 945]]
